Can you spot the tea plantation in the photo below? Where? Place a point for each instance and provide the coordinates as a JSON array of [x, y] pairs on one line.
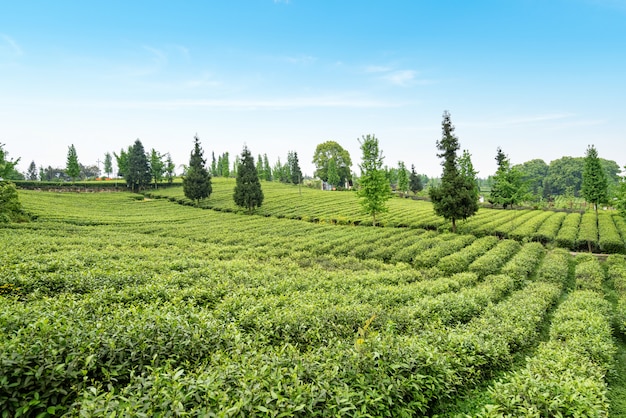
[[117, 305]]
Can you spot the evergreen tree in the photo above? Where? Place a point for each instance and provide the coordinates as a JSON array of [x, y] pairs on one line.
[[259, 168], [72, 168], [403, 177], [197, 180], [507, 187], [225, 167], [108, 164], [294, 167], [267, 170], [333, 175], [31, 174], [213, 165], [157, 167], [248, 193], [374, 189], [454, 197], [138, 175], [169, 169], [415, 181], [595, 185]]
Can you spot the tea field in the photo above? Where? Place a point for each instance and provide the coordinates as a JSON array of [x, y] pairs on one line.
[[115, 305]]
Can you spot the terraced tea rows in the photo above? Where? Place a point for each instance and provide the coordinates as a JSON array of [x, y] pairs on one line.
[[117, 305]]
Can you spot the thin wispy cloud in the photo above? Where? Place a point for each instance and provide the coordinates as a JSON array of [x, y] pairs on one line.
[[301, 59], [10, 45], [401, 78]]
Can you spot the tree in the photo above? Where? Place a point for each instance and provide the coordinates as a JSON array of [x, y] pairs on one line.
[[138, 175], [169, 169], [31, 174], [595, 185], [108, 164], [466, 170], [197, 180], [324, 152], [415, 181], [248, 193], [374, 189], [267, 170], [157, 166], [122, 161], [564, 174], [224, 168], [295, 172], [72, 168], [333, 175], [403, 177], [534, 173], [259, 167], [7, 167], [621, 195], [11, 209], [213, 165], [507, 188], [454, 197]]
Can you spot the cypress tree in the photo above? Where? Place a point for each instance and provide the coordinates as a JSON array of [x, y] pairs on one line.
[[248, 193], [455, 197], [595, 185], [197, 180], [137, 175]]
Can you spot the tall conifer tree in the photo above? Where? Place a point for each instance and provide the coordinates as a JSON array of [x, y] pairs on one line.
[[197, 180], [595, 185], [248, 193], [454, 198]]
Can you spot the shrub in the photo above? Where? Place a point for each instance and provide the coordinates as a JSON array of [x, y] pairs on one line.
[[494, 259]]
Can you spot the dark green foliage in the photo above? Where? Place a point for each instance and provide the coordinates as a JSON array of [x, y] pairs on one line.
[[248, 193], [374, 189], [197, 180], [295, 172], [31, 174], [324, 153], [595, 186], [533, 174], [455, 198], [415, 181], [72, 168], [137, 173]]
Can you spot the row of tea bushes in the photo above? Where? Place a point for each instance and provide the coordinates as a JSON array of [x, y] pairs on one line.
[[616, 267], [566, 377]]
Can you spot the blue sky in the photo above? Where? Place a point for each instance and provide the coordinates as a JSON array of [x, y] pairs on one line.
[[541, 79]]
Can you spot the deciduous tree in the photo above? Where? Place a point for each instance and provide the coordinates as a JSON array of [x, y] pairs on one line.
[[108, 164], [197, 180], [454, 197], [403, 177], [333, 175], [157, 167], [374, 189], [324, 152], [248, 193], [507, 188], [72, 168]]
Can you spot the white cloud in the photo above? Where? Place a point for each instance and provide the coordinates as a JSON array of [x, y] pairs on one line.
[[9, 44], [301, 59], [401, 77]]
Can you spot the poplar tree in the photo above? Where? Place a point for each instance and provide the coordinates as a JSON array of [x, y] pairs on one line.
[[72, 168], [108, 164], [454, 197], [403, 177], [248, 193], [595, 185], [197, 180], [374, 189]]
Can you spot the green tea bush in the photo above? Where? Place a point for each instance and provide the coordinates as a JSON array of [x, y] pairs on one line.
[[555, 267], [459, 261], [588, 232], [566, 238], [492, 261], [525, 262], [547, 232], [610, 240], [566, 375], [589, 275]]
